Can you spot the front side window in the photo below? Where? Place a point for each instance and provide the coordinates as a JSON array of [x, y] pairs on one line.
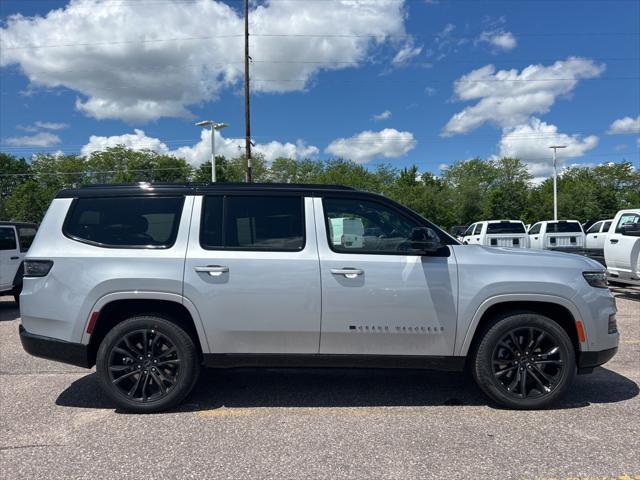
[[469, 230], [627, 218], [7, 239], [26, 235], [125, 222], [362, 226], [595, 228], [535, 229]]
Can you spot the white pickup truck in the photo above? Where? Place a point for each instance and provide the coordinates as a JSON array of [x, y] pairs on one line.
[[563, 235], [497, 233], [622, 248]]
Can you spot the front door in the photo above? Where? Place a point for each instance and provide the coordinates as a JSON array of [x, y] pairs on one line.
[[252, 271], [623, 252], [9, 257], [376, 298]]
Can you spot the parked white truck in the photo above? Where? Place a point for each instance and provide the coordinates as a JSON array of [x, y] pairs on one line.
[[497, 233], [622, 247], [596, 235], [563, 235]]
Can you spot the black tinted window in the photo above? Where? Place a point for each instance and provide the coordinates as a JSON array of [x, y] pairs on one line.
[[361, 226], [564, 227], [606, 227], [7, 239], [26, 236], [211, 228], [504, 227], [126, 221], [264, 223]]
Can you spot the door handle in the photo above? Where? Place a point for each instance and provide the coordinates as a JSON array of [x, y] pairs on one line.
[[15, 258], [213, 270], [347, 272], [595, 236], [614, 240]]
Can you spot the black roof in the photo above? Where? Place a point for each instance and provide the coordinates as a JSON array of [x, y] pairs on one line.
[[144, 188]]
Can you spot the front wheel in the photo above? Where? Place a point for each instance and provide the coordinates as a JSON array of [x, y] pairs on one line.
[[147, 364], [524, 361]]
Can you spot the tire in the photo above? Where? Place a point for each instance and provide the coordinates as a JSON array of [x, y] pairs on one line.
[[513, 347], [169, 364]]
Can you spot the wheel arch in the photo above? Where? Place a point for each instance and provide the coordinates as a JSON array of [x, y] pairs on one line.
[[116, 307], [558, 309]]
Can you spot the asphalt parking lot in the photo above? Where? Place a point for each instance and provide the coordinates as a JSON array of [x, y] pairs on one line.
[[333, 424]]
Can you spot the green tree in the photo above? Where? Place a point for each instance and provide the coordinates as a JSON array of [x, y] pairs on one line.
[[13, 172]]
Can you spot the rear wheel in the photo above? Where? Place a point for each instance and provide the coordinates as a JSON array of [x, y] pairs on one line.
[[147, 364], [524, 361]]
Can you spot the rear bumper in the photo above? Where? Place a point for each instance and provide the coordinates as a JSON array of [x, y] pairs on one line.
[[53, 349], [587, 361]]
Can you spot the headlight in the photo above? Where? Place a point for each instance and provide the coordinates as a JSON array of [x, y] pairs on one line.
[[596, 279]]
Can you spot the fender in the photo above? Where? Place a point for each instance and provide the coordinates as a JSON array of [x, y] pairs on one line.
[[463, 344], [148, 295]]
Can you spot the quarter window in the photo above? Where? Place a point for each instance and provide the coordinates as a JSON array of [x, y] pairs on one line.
[[361, 226], [8, 239], [125, 222]]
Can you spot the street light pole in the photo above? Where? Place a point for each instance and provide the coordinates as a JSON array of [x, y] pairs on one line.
[[555, 180], [214, 126]]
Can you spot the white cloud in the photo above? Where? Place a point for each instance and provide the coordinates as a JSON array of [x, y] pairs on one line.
[[508, 98], [138, 63], [498, 39], [382, 116], [406, 53], [530, 142], [42, 139], [430, 91], [52, 125], [625, 125], [367, 145], [201, 151]]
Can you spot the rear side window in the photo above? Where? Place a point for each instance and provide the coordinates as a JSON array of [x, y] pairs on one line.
[[26, 236], [595, 228], [564, 227], [125, 222], [269, 223], [7, 239], [505, 227], [606, 227], [478, 229]]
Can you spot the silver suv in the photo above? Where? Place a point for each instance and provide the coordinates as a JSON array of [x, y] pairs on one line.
[[150, 282]]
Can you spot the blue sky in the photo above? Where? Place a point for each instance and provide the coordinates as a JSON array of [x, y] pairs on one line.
[[402, 82]]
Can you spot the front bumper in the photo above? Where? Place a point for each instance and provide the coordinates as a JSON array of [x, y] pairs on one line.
[[53, 349], [587, 361]]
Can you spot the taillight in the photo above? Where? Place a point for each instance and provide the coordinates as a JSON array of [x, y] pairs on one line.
[[37, 268]]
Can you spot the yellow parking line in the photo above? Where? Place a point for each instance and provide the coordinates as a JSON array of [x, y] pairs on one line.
[[631, 342]]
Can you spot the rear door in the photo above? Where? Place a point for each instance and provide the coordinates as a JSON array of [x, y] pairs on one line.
[[376, 298], [594, 238], [9, 257], [252, 271]]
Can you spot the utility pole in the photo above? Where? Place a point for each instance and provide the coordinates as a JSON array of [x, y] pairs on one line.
[[247, 111], [555, 180]]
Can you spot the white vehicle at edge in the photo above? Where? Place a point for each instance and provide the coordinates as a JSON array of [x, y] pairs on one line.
[[596, 235], [497, 233], [15, 239], [622, 247], [152, 282], [563, 235]]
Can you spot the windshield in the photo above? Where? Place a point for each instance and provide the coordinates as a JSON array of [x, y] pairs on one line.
[[505, 227], [564, 227]]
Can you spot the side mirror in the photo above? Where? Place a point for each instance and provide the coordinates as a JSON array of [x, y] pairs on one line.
[[630, 229], [425, 241]]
